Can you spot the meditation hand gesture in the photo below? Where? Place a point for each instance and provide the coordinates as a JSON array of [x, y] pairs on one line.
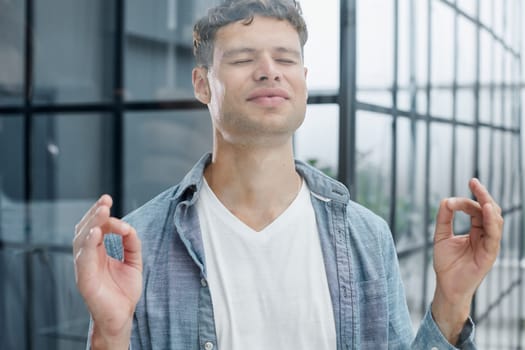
[[111, 288], [461, 262]]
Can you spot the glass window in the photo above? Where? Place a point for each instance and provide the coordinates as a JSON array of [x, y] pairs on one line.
[[469, 6], [12, 52], [422, 102], [485, 295], [465, 105], [517, 180], [516, 105], [442, 43], [73, 51], [507, 107], [440, 164], [509, 152], [67, 159], [465, 156], [159, 49], [508, 67], [322, 49], [404, 100], [422, 42], [411, 268], [466, 51], [485, 156], [498, 62], [405, 33], [373, 161], [441, 103], [322, 152], [485, 105], [486, 11], [516, 29], [486, 57], [159, 149], [57, 314], [72, 165], [509, 22], [13, 299], [61, 321], [497, 166], [12, 186], [375, 49], [497, 108], [410, 201], [497, 17], [380, 97]]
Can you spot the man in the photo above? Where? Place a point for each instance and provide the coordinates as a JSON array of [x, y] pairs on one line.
[[253, 250]]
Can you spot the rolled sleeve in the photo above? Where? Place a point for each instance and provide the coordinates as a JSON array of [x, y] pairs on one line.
[[430, 337]]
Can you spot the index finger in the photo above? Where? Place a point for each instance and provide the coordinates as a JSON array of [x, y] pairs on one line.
[[105, 199], [482, 194]]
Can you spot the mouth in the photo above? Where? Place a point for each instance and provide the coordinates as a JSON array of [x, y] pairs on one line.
[[272, 94], [268, 97]]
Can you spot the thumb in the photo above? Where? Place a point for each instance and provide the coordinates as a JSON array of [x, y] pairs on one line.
[[444, 219]]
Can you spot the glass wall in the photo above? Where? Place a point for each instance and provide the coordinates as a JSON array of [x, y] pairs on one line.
[[408, 99], [438, 102]]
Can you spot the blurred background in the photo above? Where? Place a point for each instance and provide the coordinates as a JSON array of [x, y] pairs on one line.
[[408, 100]]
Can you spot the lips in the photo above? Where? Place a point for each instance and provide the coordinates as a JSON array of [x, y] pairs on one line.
[[268, 93]]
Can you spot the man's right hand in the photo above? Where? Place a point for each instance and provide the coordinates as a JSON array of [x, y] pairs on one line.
[[111, 288]]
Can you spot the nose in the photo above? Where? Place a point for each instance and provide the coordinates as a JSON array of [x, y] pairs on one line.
[[267, 69]]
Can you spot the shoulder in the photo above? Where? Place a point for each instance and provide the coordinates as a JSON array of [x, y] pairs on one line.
[[148, 220], [153, 211], [365, 219], [361, 220]]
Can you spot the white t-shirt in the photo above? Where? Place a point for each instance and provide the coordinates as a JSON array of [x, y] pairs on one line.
[[269, 288]]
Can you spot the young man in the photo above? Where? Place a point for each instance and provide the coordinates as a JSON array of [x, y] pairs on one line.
[[253, 250]]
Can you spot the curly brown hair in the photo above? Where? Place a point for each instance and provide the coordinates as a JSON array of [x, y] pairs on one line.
[[231, 11]]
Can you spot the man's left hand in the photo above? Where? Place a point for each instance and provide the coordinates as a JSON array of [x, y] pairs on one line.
[[461, 262]]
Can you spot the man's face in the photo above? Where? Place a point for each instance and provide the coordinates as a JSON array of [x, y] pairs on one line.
[[257, 82]]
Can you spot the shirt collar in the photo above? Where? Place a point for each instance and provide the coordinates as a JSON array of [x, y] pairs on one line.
[[319, 183]]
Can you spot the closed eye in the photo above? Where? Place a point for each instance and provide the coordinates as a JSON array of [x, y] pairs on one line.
[[285, 61], [243, 61]]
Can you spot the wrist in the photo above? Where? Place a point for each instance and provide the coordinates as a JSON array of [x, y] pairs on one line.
[[102, 340], [450, 316]]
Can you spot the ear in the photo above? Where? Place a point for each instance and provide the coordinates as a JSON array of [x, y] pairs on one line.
[[201, 87]]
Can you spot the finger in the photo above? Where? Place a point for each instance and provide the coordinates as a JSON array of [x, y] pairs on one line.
[[132, 249], [466, 205], [87, 259], [104, 200], [482, 194], [97, 219], [469, 207], [102, 220], [493, 227], [109, 225], [89, 247], [444, 220]]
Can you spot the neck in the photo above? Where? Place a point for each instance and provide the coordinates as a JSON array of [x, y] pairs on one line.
[[256, 185]]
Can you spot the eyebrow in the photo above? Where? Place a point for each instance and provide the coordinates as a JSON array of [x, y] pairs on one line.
[[248, 50]]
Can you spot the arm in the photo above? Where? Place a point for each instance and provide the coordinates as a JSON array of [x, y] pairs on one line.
[[400, 334], [111, 288], [460, 262]]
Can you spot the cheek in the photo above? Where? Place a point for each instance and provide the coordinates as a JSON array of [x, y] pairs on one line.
[[300, 87], [217, 93]]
